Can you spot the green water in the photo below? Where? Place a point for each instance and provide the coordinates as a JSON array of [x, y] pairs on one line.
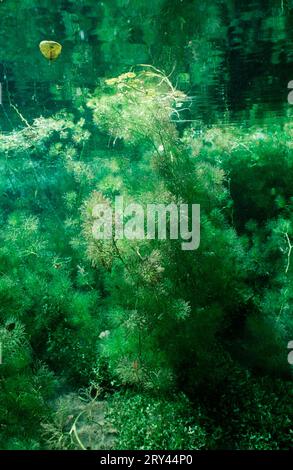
[[231, 56], [137, 343]]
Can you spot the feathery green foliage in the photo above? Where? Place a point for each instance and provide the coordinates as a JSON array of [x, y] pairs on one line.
[[137, 344]]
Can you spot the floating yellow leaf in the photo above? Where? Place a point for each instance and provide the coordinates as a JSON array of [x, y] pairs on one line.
[[121, 78], [50, 49], [111, 81]]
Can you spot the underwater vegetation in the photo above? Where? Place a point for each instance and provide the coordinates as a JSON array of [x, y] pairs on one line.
[[181, 349], [135, 343]]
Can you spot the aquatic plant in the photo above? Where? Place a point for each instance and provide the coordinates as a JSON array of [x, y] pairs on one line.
[[196, 337]]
